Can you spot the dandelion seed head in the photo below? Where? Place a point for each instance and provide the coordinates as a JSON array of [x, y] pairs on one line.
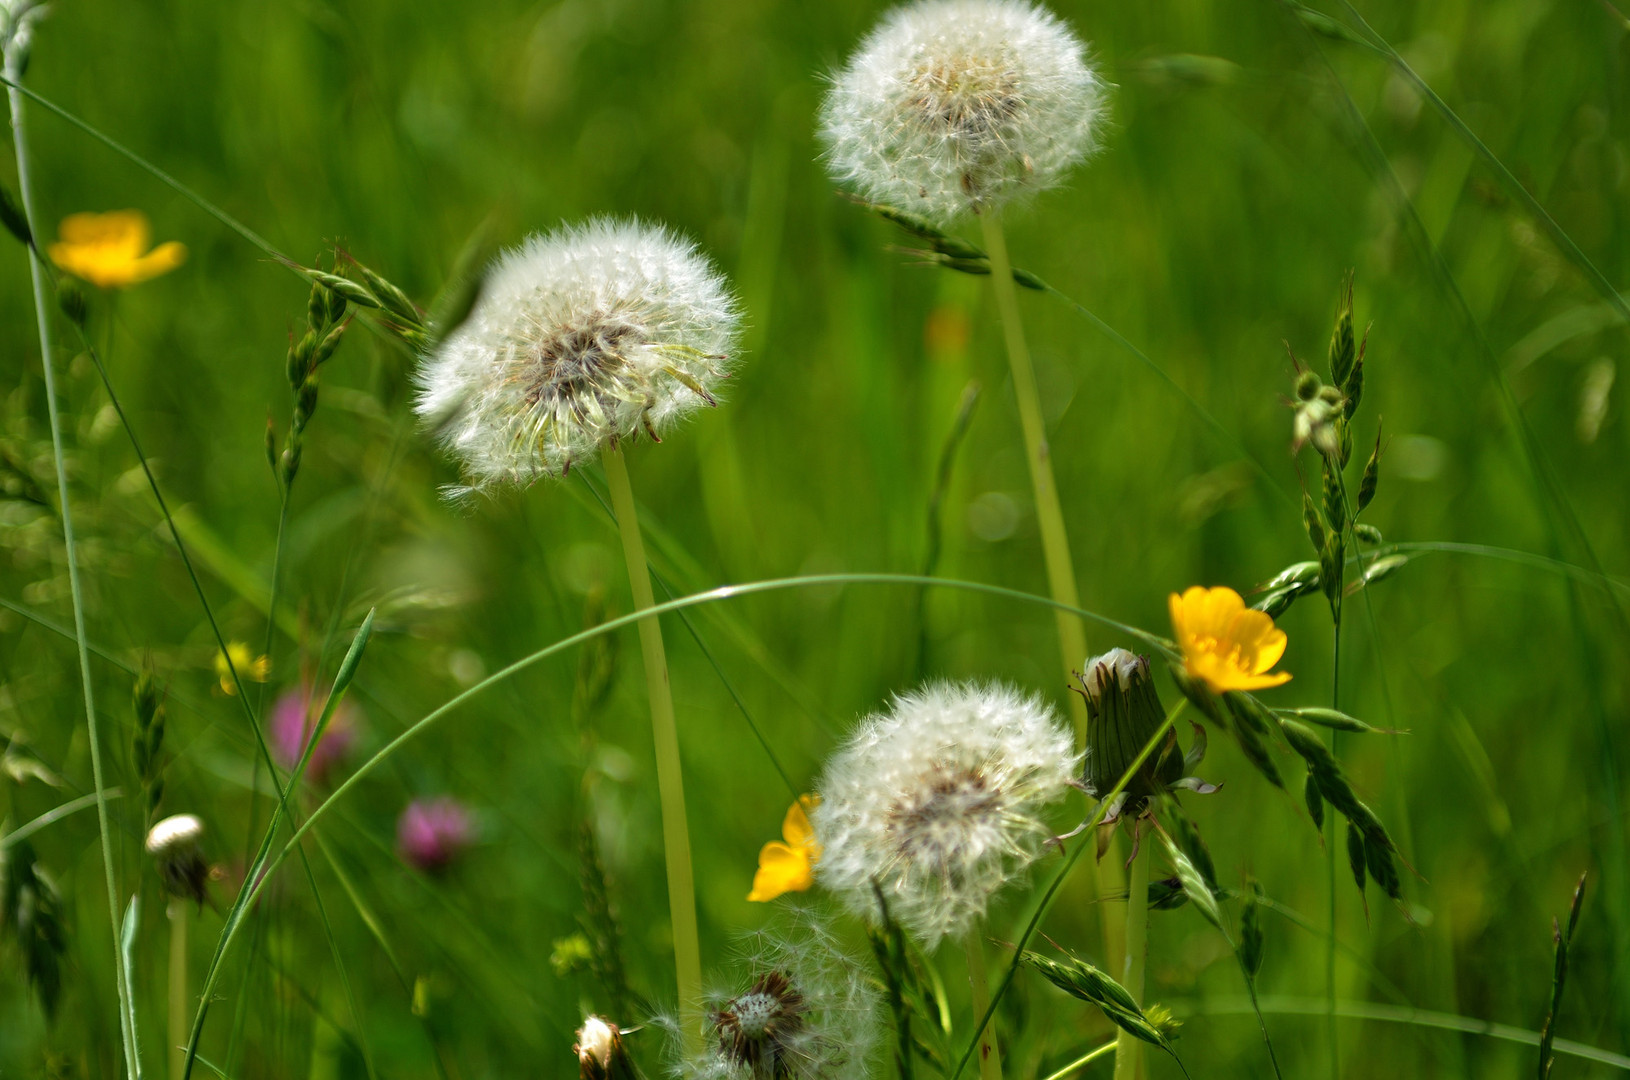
[[800, 1009], [953, 106], [588, 335], [939, 801]]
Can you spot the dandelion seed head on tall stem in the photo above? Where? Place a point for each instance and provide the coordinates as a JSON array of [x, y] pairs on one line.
[[939, 801], [958, 106], [581, 338]]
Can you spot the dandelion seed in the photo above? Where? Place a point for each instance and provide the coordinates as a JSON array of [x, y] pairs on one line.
[[955, 106], [1228, 645], [790, 866], [110, 250], [804, 1011], [600, 1052], [938, 801], [580, 338], [249, 667]]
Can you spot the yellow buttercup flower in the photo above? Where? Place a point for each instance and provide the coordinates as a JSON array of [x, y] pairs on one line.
[[110, 250], [1225, 643], [789, 867], [250, 667]]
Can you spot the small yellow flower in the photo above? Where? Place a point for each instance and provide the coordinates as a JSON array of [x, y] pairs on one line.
[[251, 667], [789, 867], [107, 250], [1225, 643]]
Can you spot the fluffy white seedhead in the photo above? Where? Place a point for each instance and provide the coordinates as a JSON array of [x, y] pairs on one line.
[[801, 1009], [590, 334], [953, 106], [939, 802]]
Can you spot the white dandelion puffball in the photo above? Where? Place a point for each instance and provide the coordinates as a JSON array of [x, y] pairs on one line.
[[588, 335], [802, 1009], [938, 801], [952, 106]]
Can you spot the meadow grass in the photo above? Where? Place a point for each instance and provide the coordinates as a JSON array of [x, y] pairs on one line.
[[846, 525]]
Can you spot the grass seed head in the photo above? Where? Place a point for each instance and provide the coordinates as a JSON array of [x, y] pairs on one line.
[[957, 106], [580, 338]]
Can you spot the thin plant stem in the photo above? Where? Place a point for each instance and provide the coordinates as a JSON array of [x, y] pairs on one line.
[[1331, 1033], [1128, 1047], [990, 1055], [179, 1013], [1055, 542], [1084, 1060], [38, 272], [670, 777]]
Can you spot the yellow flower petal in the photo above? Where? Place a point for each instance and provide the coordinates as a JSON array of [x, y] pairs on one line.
[[1224, 643], [781, 869], [107, 250], [795, 828]]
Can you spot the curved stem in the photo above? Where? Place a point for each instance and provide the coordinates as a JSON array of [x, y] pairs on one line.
[[670, 776], [42, 315], [1128, 1047], [178, 987]]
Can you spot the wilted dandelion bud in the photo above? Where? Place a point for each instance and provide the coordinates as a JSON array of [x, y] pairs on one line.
[[1123, 714], [580, 338], [939, 801], [600, 1052], [806, 1011], [956, 106], [176, 845]]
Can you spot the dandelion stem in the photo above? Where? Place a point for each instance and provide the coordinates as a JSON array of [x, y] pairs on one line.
[[1128, 1047], [990, 1055], [179, 1013], [1055, 542], [42, 314], [670, 779]]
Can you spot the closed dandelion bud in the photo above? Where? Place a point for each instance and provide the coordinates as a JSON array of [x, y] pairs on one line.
[[12, 216], [71, 299], [176, 847], [1123, 713], [1312, 522], [1355, 854], [1372, 473], [600, 1051], [939, 801], [581, 338], [960, 106]]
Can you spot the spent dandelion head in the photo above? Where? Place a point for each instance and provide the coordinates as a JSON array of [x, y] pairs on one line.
[[110, 250], [580, 338], [1225, 644], [788, 866], [176, 847], [803, 1010], [956, 106], [600, 1051], [938, 801]]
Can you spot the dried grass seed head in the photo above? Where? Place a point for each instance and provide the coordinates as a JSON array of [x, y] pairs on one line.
[[804, 1010], [939, 801], [955, 106], [587, 335]]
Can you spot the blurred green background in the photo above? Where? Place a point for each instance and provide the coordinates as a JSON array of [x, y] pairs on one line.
[[1249, 164]]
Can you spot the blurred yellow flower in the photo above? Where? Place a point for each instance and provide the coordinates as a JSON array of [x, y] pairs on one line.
[[250, 667], [110, 250], [789, 867], [1224, 642]]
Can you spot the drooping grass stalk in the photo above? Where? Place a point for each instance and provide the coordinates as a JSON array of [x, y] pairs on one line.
[[990, 1055], [42, 315], [1128, 1047], [670, 776], [1055, 542], [177, 1022], [1084, 1060]]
